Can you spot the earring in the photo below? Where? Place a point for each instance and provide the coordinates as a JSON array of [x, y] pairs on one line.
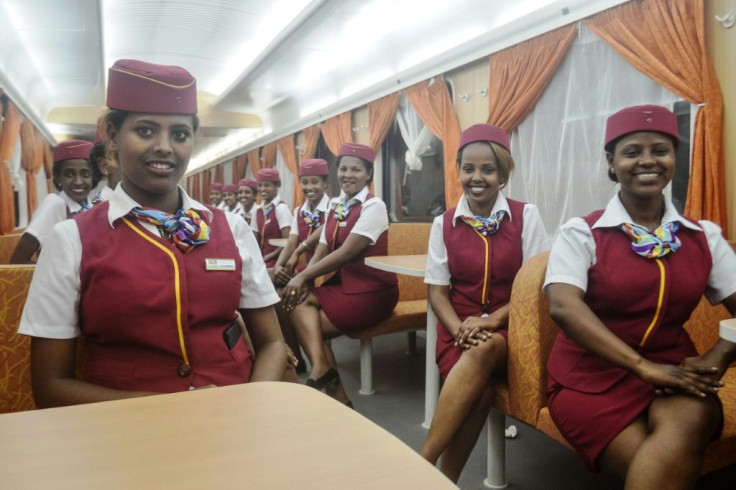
[[611, 172]]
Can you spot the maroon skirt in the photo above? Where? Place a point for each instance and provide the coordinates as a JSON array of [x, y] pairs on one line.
[[590, 421], [447, 353], [352, 312]]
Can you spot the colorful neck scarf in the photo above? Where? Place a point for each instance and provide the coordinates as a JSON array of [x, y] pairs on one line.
[[343, 209], [246, 216], [97, 199], [267, 208], [186, 228], [655, 243], [86, 206], [486, 226], [311, 219]]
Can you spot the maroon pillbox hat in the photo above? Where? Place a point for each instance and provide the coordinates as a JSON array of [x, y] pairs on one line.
[[268, 175], [230, 188], [357, 150], [67, 150], [641, 118], [216, 186], [137, 86], [485, 132], [313, 166], [248, 183]]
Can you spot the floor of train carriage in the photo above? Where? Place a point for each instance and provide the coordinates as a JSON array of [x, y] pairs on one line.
[[533, 460]]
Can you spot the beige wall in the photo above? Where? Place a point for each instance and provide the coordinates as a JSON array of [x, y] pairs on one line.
[[721, 44], [469, 79]]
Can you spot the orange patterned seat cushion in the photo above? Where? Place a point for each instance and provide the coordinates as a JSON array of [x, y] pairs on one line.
[[15, 356], [7, 246]]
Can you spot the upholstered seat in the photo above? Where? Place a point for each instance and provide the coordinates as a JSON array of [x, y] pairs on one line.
[[15, 355]]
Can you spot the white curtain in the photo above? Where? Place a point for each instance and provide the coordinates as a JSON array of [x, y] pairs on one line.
[[558, 149], [414, 133], [18, 180], [287, 180]]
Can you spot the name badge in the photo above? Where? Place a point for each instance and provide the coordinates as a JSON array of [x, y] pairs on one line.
[[219, 264], [342, 224], [267, 221]]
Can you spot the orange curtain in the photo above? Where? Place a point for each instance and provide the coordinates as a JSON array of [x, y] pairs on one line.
[[8, 140], [311, 138], [665, 39], [431, 100], [48, 167], [239, 168], [219, 174], [338, 130], [288, 153], [381, 115], [31, 160], [520, 74], [254, 161], [206, 181], [268, 155]]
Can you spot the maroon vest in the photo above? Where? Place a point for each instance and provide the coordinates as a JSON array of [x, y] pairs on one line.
[[482, 269], [356, 277], [305, 231], [129, 314], [268, 227], [623, 291]]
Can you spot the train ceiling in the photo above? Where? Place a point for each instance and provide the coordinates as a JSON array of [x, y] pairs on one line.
[[264, 68]]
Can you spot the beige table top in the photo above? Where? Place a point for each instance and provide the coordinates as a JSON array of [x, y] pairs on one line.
[[278, 242], [256, 436], [411, 265]]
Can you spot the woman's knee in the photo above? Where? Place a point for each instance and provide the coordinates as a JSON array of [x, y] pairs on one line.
[[489, 352]]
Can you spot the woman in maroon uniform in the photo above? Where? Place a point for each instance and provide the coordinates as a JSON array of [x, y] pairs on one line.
[[475, 251], [74, 178], [626, 386], [151, 278], [273, 218], [308, 219], [357, 296]]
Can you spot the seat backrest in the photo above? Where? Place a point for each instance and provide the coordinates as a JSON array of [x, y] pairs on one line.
[[15, 352], [7, 247], [531, 335], [409, 239]]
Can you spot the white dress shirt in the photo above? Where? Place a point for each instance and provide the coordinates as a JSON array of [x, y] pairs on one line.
[[534, 238], [51, 211], [373, 219], [51, 310], [574, 249]]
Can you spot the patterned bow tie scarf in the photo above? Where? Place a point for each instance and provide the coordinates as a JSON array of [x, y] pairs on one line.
[[655, 243], [186, 229], [97, 199], [268, 209], [311, 219], [86, 206], [486, 226], [343, 209]]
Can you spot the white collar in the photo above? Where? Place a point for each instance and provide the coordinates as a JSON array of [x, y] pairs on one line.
[[121, 204], [361, 196], [615, 214], [463, 208], [73, 205], [275, 201], [321, 205]]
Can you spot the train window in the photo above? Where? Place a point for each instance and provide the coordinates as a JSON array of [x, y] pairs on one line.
[[324, 153], [413, 181]]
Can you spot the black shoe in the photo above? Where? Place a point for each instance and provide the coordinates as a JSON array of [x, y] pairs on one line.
[[319, 384]]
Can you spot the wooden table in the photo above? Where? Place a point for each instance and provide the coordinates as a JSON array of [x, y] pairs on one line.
[[278, 242], [255, 436], [415, 265]]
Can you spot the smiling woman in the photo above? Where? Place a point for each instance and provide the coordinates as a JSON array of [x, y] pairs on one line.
[[184, 269], [73, 176]]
